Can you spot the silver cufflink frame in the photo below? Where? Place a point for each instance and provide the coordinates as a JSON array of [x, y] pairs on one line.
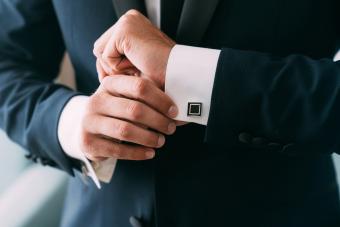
[[194, 109]]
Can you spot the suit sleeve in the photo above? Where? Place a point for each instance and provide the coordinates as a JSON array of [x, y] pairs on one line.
[[31, 49], [289, 105]]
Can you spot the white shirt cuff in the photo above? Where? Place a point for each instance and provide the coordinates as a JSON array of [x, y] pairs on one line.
[[190, 78], [71, 117]]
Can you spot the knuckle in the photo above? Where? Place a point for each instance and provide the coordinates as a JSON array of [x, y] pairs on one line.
[[133, 12], [105, 56], [123, 21], [96, 46], [105, 82], [95, 52], [140, 87], [135, 110], [117, 151], [123, 130], [106, 85]]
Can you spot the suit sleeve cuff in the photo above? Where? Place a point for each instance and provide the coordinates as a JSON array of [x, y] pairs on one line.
[[189, 81]]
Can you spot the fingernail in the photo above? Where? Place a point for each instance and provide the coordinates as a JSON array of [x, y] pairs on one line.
[[161, 140], [150, 154], [171, 128], [173, 111]]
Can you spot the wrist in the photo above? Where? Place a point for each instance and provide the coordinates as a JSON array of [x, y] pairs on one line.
[[70, 124], [167, 52]]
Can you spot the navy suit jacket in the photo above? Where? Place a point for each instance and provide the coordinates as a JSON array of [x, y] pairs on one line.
[[264, 159]]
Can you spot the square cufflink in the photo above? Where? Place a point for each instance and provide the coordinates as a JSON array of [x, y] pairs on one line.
[[194, 109]]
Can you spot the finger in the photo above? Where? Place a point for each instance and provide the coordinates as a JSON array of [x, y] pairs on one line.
[[125, 63], [142, 90], [118, 66], [111, 54], [122, 63], [101, 72], [101, 42], [104, 70], [136, 112], [124, 131], [100, 148], [106, 67]]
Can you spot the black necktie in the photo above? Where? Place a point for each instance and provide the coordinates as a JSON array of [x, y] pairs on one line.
[[121, 6], [170, 14]]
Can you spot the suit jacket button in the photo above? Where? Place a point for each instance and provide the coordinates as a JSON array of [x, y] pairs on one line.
[[245, 137]]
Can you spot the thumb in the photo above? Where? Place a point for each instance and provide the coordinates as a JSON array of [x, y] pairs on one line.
[[103, 70]]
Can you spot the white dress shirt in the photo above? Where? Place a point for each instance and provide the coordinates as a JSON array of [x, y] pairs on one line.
[[190, 77]]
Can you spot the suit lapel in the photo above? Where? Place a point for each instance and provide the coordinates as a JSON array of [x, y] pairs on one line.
[[194, 21], [121, 6], [170, 15]]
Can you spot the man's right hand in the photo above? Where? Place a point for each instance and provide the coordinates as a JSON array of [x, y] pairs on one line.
[[123, 109]]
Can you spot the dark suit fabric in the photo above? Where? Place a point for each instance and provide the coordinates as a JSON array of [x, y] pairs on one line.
[[264, 159]]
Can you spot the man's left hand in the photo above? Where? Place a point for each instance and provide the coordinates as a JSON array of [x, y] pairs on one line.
[[133, 46]]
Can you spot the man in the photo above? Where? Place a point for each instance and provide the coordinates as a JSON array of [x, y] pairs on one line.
[[265, 100]]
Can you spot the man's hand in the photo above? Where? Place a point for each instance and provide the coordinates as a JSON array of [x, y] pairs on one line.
[[133, 46], [123, 109]]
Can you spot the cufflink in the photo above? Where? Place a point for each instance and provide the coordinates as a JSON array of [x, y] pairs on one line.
[[194, 109]]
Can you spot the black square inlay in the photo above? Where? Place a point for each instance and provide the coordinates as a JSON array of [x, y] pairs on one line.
[[194, 109]]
